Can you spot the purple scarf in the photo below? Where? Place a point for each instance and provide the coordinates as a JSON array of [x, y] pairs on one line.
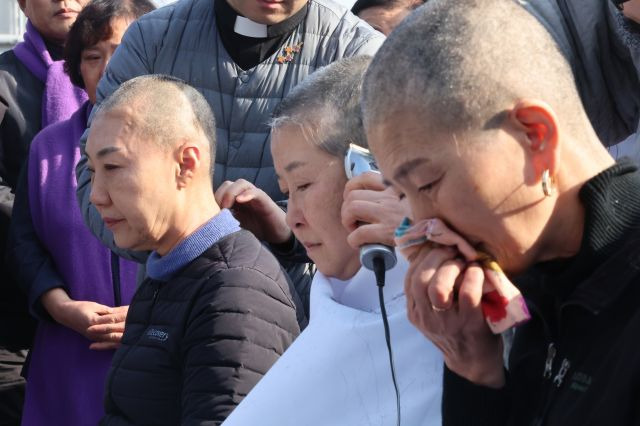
[[66, 379], [60, 98]]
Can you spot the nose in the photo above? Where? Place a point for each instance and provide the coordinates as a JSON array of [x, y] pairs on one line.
[[420, 208], [99, 195], [295, 214]]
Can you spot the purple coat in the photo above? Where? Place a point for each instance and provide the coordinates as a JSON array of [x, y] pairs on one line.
[[65, 383]]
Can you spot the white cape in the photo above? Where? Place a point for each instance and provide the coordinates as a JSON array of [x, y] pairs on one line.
[[337, 371]]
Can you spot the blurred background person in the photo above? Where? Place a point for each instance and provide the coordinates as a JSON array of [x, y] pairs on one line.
[[602, 45], [337, 371], [513, 165], [34, 92], [77, 289], [217, 309], [384, 15], [244, 57]]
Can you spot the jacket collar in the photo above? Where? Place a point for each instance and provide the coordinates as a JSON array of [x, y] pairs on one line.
[[609, 256]]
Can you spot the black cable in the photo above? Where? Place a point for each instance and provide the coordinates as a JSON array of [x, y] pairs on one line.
[[379, 270]]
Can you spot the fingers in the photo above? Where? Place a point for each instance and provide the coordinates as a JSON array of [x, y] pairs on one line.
[[379, 208], [370, 181], [370, 234], [440, 233], [442, 287], [110, 318], [100, 329], [104, 346], [356, 211], [227, 194], [470, 293], [423, 269]]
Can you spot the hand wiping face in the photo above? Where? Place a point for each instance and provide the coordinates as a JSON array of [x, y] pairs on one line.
[[502, 303]]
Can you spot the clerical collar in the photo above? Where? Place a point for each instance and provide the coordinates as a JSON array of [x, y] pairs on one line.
[[233, 21]]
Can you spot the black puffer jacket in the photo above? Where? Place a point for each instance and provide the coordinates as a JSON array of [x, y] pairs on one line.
[[194, 346]]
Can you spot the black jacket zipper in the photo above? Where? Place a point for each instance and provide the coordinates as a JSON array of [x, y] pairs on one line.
[[554, 381]]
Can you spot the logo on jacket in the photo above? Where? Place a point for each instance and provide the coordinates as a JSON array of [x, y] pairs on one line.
[[580, 381], [159, 335]]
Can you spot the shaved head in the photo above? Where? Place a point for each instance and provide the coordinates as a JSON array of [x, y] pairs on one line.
[[164, 110], [459, 65], [326, 105]]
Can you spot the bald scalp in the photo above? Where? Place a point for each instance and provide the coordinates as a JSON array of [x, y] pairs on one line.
[[459, 65], [164, 110]]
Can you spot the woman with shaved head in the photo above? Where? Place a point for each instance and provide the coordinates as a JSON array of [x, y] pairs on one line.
[[487, 134]]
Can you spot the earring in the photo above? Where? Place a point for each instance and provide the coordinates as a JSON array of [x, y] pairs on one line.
[[547, 183]]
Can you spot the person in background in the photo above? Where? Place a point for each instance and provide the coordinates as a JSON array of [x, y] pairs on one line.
[[384, 15], [338, 371], [513, 165], [81, 294], [34, 92], [217, 310], [244, 56], [601, 42]]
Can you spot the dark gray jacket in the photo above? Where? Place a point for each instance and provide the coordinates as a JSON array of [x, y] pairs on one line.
[[592, 36], [194, 346]]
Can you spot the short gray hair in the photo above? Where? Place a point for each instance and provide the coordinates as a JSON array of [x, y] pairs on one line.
[[327, 106], [461, 64], [160, 99]]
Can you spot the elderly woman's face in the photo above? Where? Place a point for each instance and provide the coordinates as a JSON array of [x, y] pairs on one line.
[[314, 182], [95, 58], [133, 182], [52, 18], [476, 183]]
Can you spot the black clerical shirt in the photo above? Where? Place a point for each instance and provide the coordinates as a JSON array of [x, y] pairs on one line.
[[247, 52]]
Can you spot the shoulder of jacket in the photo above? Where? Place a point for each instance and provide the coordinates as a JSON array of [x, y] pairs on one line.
[[9, 63], [182, 10], [330, 20]]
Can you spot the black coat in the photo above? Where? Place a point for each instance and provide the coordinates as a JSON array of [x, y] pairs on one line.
[[195, 346], [20, 118], [576, 362]]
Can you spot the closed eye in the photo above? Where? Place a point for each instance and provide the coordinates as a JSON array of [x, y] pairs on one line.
[[302, 187], [428, 187], [111, 167]]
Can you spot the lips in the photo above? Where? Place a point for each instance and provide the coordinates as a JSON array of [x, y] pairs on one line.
[[268, 4], [111, 222], [66, 13], [310, 246]]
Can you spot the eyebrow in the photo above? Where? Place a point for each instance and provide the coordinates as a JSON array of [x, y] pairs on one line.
[[293, 165], [105, 151], [404, 169]]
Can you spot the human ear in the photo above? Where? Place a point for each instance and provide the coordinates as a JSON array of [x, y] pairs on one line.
[[22, 4], [189, 160], [538, 124]]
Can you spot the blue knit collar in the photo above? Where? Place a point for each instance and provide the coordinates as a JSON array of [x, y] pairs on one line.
[[163, 268]]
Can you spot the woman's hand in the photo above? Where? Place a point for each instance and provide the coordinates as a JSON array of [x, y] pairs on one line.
[[371, 211], [443, 302], [255, 211], [108, 329], [82, 316]]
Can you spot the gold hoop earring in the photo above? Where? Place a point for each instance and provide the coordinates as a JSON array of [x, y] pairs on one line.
[[547, 183]]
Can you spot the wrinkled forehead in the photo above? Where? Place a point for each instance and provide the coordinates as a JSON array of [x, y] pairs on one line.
[[118, 127]]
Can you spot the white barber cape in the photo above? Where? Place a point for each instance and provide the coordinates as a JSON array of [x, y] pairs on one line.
[[337, 372]]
